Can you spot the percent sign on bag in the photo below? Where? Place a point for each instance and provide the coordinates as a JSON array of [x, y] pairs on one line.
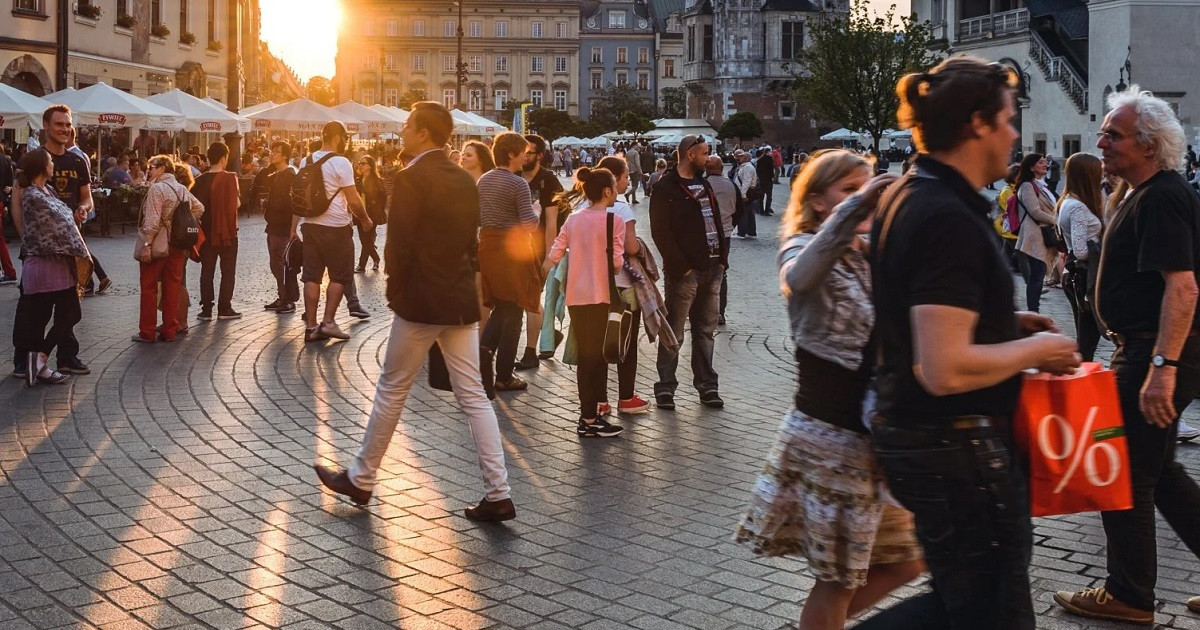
[[1072, 429]]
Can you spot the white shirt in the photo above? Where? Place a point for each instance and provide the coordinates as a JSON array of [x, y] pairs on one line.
[[338, 173], [624, 212], [746, 177]]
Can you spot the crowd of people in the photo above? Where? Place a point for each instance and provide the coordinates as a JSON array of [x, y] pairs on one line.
[[897, 457]]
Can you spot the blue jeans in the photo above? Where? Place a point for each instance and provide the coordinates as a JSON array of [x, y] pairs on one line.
[[1034, 271], [693, 298], [970, 498]]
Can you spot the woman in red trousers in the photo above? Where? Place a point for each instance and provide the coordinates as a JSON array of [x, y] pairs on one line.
[[158, 209]]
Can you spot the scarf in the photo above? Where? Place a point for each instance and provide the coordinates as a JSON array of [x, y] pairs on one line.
[[49, 226]]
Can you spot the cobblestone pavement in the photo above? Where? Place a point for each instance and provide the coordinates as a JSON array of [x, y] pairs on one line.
[[173, 486]]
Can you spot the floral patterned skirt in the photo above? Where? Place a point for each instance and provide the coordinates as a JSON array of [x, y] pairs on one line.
[[820, 497]]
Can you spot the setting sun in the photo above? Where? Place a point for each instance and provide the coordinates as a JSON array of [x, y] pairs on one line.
[[305, 39]]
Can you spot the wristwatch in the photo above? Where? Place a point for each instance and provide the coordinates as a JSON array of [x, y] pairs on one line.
[[1159, 360]]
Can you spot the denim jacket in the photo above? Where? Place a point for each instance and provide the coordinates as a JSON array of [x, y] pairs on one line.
[[827, 285]]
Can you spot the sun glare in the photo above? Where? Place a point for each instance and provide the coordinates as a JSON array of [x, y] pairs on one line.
[[303, 33]]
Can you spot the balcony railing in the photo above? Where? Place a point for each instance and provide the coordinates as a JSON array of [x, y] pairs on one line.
[[1056, 69], [988, 26]]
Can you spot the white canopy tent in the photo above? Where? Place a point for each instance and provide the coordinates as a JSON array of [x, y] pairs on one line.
[[681, 127], [490, 127], [375, 122], [393, 112], [301, 115], [842, 135], [905, 134], [254, 109], [201, 116], [54, 96], [19, 110], [599, 142], [107, 106], [568, 141]]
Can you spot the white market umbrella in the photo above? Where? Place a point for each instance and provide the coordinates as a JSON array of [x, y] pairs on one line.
[[254, 109], [569, 141], [19, 110], [464, 125], [394, 112], [900, 135], [490, 127], [375, 121], [301, 115], [54, 96], [842, 134], [201, 116], [106, 106]]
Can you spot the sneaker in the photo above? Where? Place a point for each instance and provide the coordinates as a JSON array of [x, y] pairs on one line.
[[634, 405], [286, 307], [229, 315], [140, 339], [1187, 433], [604, 409], [664, 400], [598, 428], [359, 312], [89, 292], [360, 269], [1098, 603], [331, 330], [712, 400], [514, 384], [105, 282], [205, 315], [273, 305], [19, 371], [529, 361], [7, 279], [73, 366], [51, 377]]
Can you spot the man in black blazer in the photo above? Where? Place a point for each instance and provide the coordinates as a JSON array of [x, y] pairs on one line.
[[430, 257]]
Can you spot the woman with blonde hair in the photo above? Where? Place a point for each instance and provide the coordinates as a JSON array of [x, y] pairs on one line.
[[820, 495], [1080, 220]]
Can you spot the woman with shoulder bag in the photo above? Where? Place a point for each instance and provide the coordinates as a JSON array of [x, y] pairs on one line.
[[374, 195], [1035, 209], [589, 284], [1079, 220], [159, 261]]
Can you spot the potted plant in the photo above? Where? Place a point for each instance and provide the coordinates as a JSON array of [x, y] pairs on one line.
[[187, 39], [125, 20], [89, 11], [215, 45], [160, 30]]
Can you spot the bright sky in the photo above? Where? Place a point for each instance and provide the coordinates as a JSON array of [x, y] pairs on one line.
[[306, 39]]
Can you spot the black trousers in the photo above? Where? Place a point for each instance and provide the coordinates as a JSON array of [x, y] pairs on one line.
[[725, 283], [1087, 331], [588, 323], [366, 238], [29, 325], [210, 257], [1158, 480], [502, 334], [627, 368], [970, 498]]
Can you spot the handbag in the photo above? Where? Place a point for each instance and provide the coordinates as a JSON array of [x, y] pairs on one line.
[[618, 333], [159, 246]]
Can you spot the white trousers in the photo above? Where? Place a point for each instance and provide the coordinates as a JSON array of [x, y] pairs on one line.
[[407, 348]]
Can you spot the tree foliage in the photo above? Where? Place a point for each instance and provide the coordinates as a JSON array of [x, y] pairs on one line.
[[674, 102], [742, 125], [848, 74], [619, 105], [320, 90], [550, 123], [411, 96]]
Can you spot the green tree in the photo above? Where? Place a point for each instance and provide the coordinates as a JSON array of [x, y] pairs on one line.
[[411, 96], [742, 125], [320, 90], [634, 123], [674, 102], [585, 129], [550, 123], [849, 73], [616, 102]]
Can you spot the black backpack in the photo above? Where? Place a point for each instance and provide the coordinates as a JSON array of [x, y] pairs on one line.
[[185, 229], [308, 189]]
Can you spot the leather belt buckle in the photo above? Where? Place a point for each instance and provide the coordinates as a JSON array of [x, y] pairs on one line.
[[972, 422]]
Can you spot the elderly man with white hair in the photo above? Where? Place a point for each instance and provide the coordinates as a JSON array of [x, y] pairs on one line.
[[1146, 298]]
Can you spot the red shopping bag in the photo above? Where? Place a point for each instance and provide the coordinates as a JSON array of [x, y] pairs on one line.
[[1072, 430]]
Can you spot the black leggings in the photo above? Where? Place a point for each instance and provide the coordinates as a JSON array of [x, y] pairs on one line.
[[368, 251], [627, 368], [34, 311], [587, 324], [501, 335]]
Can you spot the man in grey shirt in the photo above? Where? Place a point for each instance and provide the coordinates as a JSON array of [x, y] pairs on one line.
[[727, 205], [633, 159]]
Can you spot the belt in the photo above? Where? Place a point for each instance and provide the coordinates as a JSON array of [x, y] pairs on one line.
[[957, 423], [1121, 338]]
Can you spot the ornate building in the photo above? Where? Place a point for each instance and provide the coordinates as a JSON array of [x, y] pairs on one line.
[[736, 54], [515, 51], [616, 47], [668, 52]]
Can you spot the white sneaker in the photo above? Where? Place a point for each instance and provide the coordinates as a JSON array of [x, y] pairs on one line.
[[1187, 433]]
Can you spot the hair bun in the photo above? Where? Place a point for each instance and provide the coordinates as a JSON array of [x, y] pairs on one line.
[[583, 174]]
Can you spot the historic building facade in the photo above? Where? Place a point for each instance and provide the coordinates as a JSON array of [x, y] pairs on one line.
[[738, 57], [668, 53], [513, 52], [616, 47]]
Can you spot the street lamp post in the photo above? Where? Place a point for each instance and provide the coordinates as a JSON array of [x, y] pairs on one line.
[[460, 69]]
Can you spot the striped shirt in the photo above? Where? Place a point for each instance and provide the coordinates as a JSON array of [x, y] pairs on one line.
[[504, 200]]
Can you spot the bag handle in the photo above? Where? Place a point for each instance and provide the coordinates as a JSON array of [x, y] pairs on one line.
[[614, 296]]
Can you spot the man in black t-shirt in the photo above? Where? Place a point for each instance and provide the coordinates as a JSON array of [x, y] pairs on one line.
[[951, 351], [543, 187], [278, 212], [1146, 297]]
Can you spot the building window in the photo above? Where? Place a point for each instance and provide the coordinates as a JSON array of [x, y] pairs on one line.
[[668, 68], [560, 100], [391, 61], [448, 95], [501, 28], [122, 6], [449, 28], [535, 30], [476, 29], [538, 64], [418, 28], [597, 54], [368, 61], [622, 78], [368, 97], [597, 80], [691, 43], [616, 19], [622, 54], [787, 110], [369, 28], [643, 81], [155, 13], [476, 63], [708, 42], [212, 19], [560, 64], [560, 30], [418, 64], [475, 99], [392, 28], [793, 40], [183, 14], [535, 97], [391, 97], [501, 63], [643, 55], [501, 99], [448, 64]]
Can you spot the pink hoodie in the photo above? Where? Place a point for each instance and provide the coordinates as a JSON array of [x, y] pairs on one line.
[[584, 233]]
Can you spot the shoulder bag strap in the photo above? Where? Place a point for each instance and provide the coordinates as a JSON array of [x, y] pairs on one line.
[[614, 296]]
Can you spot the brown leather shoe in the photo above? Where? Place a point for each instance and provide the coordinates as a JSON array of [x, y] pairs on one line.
[[492, 511], [1098, 603], [1193, 605], [339, 482]]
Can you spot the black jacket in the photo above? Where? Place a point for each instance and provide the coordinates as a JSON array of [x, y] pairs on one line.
[[764, 166], [278, 208], [432, 243], [677, 227]]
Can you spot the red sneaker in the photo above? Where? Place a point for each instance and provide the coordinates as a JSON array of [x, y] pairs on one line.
[[604, 409], [633, 405]]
